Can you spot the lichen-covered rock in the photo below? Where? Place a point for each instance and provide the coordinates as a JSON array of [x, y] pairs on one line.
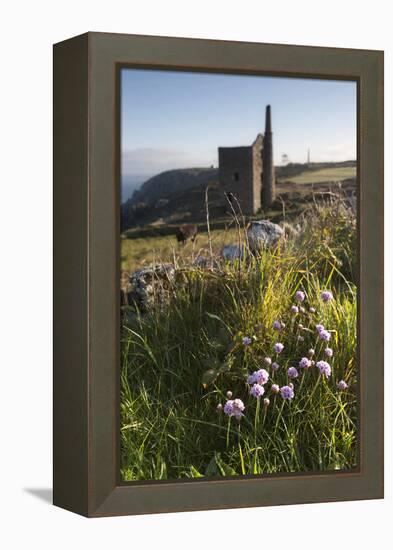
[[263, 234], [152, 285], [232, 252]]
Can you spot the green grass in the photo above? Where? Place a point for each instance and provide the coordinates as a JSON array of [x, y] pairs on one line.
[[326, 174], [179, 362], [144, 251]]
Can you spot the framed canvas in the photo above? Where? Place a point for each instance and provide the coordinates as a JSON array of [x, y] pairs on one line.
[[218, 274]]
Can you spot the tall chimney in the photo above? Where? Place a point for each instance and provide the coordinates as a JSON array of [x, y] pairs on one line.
[[268, 179]]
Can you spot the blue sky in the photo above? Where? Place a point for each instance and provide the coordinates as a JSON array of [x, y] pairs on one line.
[[172, 119]]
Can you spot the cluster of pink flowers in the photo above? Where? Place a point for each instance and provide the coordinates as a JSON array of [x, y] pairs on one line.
[[234, 407], [257, 390], [304, 363], [260, 376], [258, 379], [278, 347], [287, 392]]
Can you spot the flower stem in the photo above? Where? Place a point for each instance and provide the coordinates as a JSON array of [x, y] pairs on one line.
[[256, 419], [243, 468], [279, 417], [228, 430]]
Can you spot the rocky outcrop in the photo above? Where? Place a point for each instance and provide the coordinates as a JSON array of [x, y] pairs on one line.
[[152, 285], [263, 234], [232, 252]]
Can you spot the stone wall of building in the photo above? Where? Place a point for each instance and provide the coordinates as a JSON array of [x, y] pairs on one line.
[[240, 174], [257, 147], [236, 174], [248, 172]]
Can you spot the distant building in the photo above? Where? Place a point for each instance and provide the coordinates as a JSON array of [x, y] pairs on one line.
[[284, 159], [247, 173]]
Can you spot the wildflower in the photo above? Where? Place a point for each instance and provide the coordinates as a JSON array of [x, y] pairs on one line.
[[266, 402], [228, 408], [287, 392], [300, 326], [229, 394], [247, 340], [312, 309], [276, 325], [326, 296], [295, 309], [319, 328], [291, 385], [300, 338], [342, 385], [304, 363], [299, 296], [275, 366], [257, 390], [275, 388], [219, 407], [283, 325], [238, 408], [278, 347], [325, 335], [329, 352], [268, 361], [261, 376], [234, 408], [311, 352], [292, 372], [324, 368], [302, 310]]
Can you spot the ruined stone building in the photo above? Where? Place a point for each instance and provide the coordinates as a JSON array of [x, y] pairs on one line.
[[248, 172]]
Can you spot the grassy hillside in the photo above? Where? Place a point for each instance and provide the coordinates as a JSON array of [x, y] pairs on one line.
[[138, 252], [176, 196], [291, 170], [178, 362], [332, 174], [168, 183]]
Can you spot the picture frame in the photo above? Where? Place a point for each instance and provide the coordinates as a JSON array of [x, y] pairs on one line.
[[86, 474]]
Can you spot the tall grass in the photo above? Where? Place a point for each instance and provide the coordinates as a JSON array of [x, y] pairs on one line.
[[179, 362]]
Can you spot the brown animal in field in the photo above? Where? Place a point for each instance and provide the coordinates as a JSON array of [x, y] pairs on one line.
[[186, 233]]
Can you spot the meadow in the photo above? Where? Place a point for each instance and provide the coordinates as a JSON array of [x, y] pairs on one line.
[[328, 174], [142, 251], [250, 366]]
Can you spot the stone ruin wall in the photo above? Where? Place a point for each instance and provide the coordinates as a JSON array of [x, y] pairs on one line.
[[232, 161], [247, 163], [257, 172]]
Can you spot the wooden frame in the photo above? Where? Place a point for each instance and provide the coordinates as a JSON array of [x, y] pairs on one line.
[[86, 281]]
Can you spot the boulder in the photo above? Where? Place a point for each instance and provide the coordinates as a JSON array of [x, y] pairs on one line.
[[232, 252], [152, 285], [263, 234]]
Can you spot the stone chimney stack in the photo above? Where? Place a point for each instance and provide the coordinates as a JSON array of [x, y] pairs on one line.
[[268, 179]]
